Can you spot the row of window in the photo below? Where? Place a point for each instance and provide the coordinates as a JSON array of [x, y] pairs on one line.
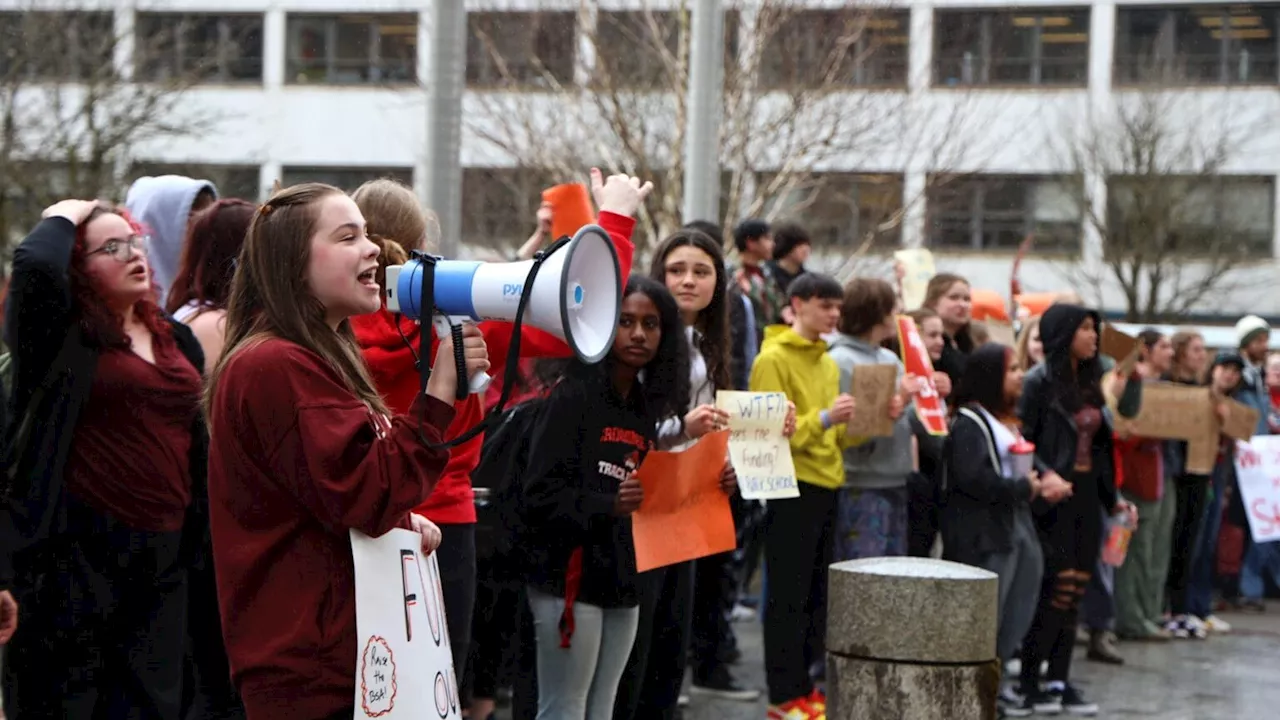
[[841, 210], [853, 47]]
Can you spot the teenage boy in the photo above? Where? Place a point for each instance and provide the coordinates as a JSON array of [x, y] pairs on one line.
[[799, 531], [754, 240]]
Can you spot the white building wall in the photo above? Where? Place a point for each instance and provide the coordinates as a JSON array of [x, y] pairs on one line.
[[274, 124]]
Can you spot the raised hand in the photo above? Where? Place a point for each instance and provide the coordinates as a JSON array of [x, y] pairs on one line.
[[619, 194]]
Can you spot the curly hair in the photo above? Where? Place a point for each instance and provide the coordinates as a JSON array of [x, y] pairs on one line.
[[102, 326]]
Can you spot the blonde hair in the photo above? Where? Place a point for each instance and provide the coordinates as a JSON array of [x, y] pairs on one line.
[[1022, 353], [270, 296], [395, 221]]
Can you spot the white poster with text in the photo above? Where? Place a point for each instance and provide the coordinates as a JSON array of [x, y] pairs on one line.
[[1258, 473], [405, 668]]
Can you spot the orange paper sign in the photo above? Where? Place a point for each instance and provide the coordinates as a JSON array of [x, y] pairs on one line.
[[916, 360], [684, 515]]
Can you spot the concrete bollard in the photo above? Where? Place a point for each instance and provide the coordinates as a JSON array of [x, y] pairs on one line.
[[911, 639]]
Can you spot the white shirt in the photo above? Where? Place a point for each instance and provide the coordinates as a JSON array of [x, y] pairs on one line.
[[1004, 439]]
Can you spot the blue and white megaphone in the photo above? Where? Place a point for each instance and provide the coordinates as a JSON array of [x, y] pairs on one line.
[[576, 294]]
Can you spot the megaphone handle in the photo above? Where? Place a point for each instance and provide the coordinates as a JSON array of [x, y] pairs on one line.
[[478, 382]]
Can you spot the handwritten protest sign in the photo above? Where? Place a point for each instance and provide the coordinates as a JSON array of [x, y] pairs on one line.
[[760, 454], [684, 515], [1258, 473], [405, 667], [1241, 421], [873, 388], [915, 358], [917, 270], [1180, 412]]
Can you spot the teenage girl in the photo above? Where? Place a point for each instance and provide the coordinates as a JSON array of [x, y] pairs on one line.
[[305, 450], [950, 297], [102, 516], [398, 223], [579, 490]]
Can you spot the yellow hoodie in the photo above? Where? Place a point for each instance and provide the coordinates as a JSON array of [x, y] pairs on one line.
[[802, 369]]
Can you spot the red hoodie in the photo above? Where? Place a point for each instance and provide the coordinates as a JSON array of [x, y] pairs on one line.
[[295, 460], [391, 363]]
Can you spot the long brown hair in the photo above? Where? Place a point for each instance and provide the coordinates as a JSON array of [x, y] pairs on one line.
[[713, 320], [938, 286], [1181, 341], [270, 296], [213, 241]]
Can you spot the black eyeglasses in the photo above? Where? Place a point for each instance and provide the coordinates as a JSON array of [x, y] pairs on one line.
[[122, 250]]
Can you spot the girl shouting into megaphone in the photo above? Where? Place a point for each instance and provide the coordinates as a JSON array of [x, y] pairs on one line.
[[304, 450], [399, 224]]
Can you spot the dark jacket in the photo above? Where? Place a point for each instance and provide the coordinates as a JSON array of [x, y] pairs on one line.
[[40, 326], [980, 504], [585, 442], [1048, 423], [739, 363]]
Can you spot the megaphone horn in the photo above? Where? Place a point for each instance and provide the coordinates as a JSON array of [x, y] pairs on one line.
[[576, 295]]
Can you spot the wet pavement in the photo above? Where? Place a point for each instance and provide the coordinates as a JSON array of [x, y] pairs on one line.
[[1226, 677]]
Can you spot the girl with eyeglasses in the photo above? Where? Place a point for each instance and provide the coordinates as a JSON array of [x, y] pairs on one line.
[[104, 509]]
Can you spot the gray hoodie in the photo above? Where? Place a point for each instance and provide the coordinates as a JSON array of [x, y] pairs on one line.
[[878, 463], [162, 205]]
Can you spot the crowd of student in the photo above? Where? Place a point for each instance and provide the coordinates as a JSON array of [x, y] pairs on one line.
[[182, 475]]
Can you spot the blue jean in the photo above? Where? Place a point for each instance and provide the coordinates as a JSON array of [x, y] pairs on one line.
[[580, 682], [1204, 560], [1260, 561]]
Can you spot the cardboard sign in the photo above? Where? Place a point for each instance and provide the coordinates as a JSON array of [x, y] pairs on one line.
[[918, 270], [1258, 473], [761, 456], [1180, 412], [1241, 421], [873, 387], [1175, 412], [1121, 347], [685, 515], [405, 667], [915, 358]]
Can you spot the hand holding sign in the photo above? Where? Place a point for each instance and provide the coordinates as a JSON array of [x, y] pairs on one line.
[[758, 447], [630, 496]]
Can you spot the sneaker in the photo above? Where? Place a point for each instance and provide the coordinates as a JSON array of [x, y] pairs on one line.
[[1215, 624], [1074, 703], [1176, 628], [742, 613], [1045, 702], [721, 684], [683, 700], [797, 709], [1010, 704], [1255, 605]]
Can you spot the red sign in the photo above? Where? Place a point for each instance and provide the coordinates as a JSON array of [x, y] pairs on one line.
[[928, 403]]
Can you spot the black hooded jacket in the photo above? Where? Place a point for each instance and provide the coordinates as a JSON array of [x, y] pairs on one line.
[[1051, 396]]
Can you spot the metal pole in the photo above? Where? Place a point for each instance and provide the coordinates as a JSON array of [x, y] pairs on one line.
[[702, 134], [445, 84]]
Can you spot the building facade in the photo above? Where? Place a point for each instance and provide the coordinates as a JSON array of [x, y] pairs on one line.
[[1023, 118]]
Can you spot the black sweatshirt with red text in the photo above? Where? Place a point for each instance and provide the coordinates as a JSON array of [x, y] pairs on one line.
[[585, 442]]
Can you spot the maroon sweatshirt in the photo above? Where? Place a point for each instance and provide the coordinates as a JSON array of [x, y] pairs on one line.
[[296, 461]]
